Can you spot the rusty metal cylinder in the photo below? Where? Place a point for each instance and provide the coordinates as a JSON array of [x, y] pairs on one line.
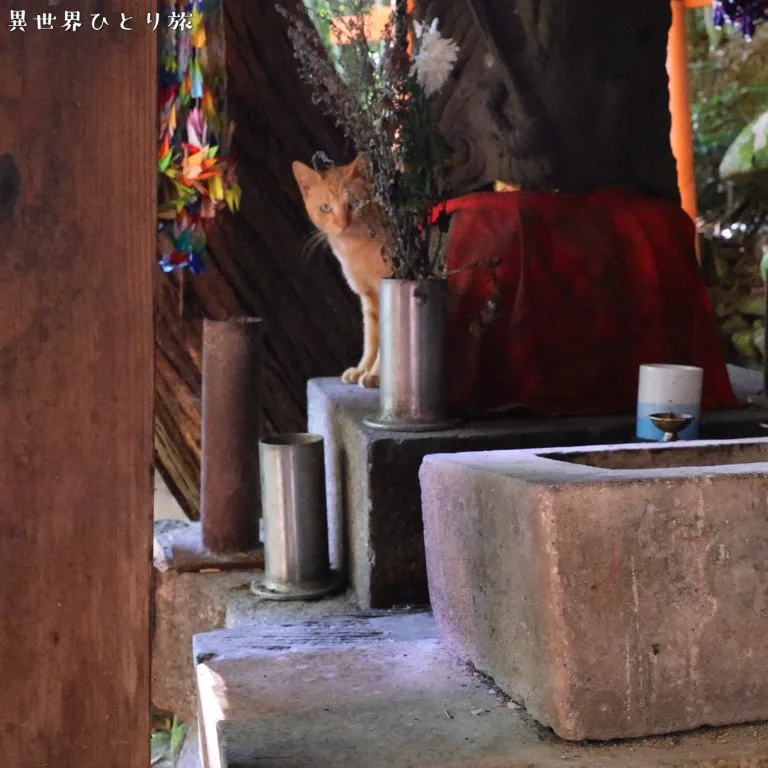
[[231, 429]]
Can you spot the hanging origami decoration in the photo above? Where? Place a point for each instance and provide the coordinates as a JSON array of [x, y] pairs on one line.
[[745, 15], [196, 174]]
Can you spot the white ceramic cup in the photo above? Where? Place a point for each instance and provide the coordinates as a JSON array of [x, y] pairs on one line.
[[668, 388]]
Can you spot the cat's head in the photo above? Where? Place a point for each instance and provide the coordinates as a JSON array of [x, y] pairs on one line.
[[331, 197]]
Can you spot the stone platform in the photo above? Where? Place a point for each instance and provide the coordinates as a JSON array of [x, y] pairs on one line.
[[187, 603], [356, 692], [616, 592], [374, 501]]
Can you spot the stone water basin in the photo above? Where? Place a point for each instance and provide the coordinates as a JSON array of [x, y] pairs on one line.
[[614, 591]]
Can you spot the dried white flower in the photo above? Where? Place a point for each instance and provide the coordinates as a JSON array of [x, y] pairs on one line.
[[435, 58]]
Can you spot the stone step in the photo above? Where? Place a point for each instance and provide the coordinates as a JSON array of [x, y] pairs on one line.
[[360, 692]]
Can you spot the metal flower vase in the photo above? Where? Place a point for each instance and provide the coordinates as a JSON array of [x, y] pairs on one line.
[[295, 520], [412, 317]]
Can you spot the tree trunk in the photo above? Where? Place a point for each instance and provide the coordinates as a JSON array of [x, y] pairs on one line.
[[559, 94], [256, 265]]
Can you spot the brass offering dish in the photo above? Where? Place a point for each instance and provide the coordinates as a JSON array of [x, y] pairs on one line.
[[670, 424]]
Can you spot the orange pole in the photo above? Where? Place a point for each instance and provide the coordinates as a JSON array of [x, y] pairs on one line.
[[409, 8], [680, 109]]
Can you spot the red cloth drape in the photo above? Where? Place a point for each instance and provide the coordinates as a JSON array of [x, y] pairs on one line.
[[587, 288]]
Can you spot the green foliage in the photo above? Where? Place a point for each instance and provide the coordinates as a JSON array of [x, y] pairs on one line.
[[424, 150], [747, 158], [167, 743], [719, 120], [178, 734], [320, 12], [729, 88]]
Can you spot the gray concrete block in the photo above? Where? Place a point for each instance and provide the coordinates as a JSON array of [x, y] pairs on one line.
[[374, 503], [615, 592], [337, 695]]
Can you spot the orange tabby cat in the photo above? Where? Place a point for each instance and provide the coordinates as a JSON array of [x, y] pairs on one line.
[[339, 204]]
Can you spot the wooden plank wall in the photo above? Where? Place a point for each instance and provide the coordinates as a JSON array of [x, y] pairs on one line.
[[256, 262], [77, 211]]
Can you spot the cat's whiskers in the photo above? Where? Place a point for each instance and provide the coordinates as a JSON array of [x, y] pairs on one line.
[[313, 242]]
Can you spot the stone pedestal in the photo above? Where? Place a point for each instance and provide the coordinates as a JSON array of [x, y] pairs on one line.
[[374, 501], [617, 592]]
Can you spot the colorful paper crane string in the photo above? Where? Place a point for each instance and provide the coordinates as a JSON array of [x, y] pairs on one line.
[[196, 174]]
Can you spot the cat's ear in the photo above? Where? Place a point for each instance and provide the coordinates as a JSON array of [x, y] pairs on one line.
[[305, 176], [358, 168]]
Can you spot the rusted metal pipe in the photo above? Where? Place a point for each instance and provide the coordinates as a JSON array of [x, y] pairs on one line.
[[231, 429]]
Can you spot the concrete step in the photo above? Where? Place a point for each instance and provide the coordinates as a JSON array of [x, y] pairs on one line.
[[381, 692]]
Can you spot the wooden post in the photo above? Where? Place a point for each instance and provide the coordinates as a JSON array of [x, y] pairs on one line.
[[77, 222]]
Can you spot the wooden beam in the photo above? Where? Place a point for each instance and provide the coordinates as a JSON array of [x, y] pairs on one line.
[[77, 213]]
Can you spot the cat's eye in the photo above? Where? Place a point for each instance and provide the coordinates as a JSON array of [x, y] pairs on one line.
[[326, 208]]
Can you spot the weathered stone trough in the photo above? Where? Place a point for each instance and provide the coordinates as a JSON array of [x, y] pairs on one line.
[[614, 591]]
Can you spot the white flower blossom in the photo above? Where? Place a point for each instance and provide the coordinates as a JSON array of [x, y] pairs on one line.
[[760, 132], [435, 58]]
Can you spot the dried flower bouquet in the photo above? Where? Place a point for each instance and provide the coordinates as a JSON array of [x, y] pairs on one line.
[[381, 100]]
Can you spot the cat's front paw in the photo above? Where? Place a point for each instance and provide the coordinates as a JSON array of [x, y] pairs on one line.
[[369, 380], [352, 375]]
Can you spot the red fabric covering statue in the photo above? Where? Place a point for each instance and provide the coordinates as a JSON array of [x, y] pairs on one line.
[[585, 290]]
